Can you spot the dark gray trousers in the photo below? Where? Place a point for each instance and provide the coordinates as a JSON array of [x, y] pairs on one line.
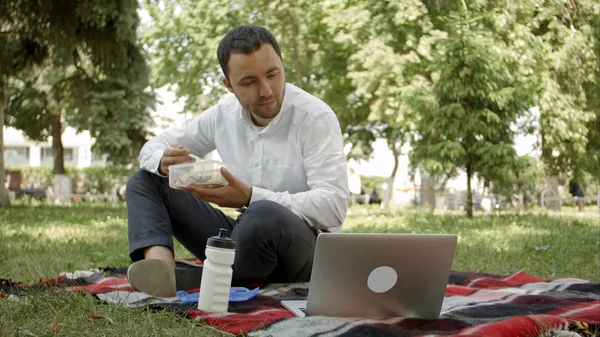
[[272, 243]]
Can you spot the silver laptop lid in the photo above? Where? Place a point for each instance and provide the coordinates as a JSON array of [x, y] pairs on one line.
[[380, 275]]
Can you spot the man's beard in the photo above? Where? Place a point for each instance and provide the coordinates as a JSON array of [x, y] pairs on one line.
[[255, 110], [272, 110]]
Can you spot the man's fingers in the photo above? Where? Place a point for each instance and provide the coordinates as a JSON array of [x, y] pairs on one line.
[[204, 193], [234, 194], [178, 151], [197, 190], [228, 176], [167, 161], [176, 154]]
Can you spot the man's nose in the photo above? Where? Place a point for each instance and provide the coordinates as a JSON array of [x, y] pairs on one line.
[[265, 88]]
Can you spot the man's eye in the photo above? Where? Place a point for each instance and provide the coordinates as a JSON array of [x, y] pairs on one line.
[[248, 83], [271, 75]]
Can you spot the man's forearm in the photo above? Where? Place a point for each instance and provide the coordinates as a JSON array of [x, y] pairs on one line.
[[321, 208]]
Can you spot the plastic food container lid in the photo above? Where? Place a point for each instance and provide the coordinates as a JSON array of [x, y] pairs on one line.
[[236, 294]]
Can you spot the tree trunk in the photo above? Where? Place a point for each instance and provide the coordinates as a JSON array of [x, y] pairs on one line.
[[469, 205], [522, 191], [428, 191], [546, 154], [552, 172], [3, 191], [552, 195], [389, 193], [57, 146]]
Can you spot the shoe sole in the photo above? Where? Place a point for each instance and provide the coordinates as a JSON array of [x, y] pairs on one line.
[[153, 277]]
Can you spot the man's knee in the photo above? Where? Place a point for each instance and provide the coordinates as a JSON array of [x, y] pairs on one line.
[[265, 216], [269, 210], [138, 180]]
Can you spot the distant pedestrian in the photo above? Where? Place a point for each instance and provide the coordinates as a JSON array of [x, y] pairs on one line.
[[354, 184], [577, 193]]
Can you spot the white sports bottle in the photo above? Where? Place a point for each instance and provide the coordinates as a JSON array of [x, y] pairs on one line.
[[216, 273]]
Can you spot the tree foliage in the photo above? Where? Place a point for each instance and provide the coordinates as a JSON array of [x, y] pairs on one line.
[[75, 63], [457, 79], [568, 95], [182, 38], [478, 99]]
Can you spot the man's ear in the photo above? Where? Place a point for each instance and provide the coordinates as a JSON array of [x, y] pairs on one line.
[[227, 84]]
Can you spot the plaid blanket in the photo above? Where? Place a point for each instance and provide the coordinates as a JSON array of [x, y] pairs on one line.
[[474, 305]]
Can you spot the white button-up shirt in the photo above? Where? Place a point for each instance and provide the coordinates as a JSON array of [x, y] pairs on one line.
[[297, 160]]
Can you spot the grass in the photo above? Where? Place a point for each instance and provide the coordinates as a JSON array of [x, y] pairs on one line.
[[83, 315], [42, 241], [542, 244]]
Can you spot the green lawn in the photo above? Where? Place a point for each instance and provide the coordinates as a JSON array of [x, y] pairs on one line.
[[40, 242], [542, 244]]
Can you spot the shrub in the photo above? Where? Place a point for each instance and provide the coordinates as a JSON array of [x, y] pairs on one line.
[[90, 180], [370, 183]]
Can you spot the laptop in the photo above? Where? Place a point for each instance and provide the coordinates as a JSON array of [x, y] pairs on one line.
[[377, 275]]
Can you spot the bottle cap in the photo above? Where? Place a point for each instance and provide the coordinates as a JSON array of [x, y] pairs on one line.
[[221, 241]]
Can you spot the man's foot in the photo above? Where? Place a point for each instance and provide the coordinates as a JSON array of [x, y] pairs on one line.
[[153, 277], [156, 277]]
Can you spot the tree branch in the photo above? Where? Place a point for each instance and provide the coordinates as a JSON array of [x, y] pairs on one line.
[[13, 32], [447, 177], [567, 16], [66, 79], [573, 6], [85, 73]]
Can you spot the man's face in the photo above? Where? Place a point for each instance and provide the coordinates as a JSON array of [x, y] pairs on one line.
[[258, 82]]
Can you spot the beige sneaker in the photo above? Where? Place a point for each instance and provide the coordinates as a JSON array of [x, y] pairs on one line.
[[152, 276]]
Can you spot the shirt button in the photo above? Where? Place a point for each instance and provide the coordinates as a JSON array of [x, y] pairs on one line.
[[256, 165]]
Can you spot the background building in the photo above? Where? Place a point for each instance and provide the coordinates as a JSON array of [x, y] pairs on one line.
[[18, 150]]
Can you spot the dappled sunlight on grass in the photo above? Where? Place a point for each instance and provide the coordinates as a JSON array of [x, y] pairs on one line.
[[44, 241], [59, 231], [506, 237]]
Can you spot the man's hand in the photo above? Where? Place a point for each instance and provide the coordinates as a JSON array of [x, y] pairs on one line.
[[176, 154], [236, 194]]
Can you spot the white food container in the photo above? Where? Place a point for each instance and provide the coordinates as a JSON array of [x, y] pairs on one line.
[[202, 173]]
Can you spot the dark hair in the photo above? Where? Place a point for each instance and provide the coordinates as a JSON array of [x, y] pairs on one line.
[[245, 39]]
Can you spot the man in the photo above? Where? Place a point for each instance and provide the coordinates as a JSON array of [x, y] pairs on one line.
[[290, 180]]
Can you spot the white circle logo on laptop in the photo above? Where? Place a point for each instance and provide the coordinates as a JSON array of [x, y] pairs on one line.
[[382, 279]]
